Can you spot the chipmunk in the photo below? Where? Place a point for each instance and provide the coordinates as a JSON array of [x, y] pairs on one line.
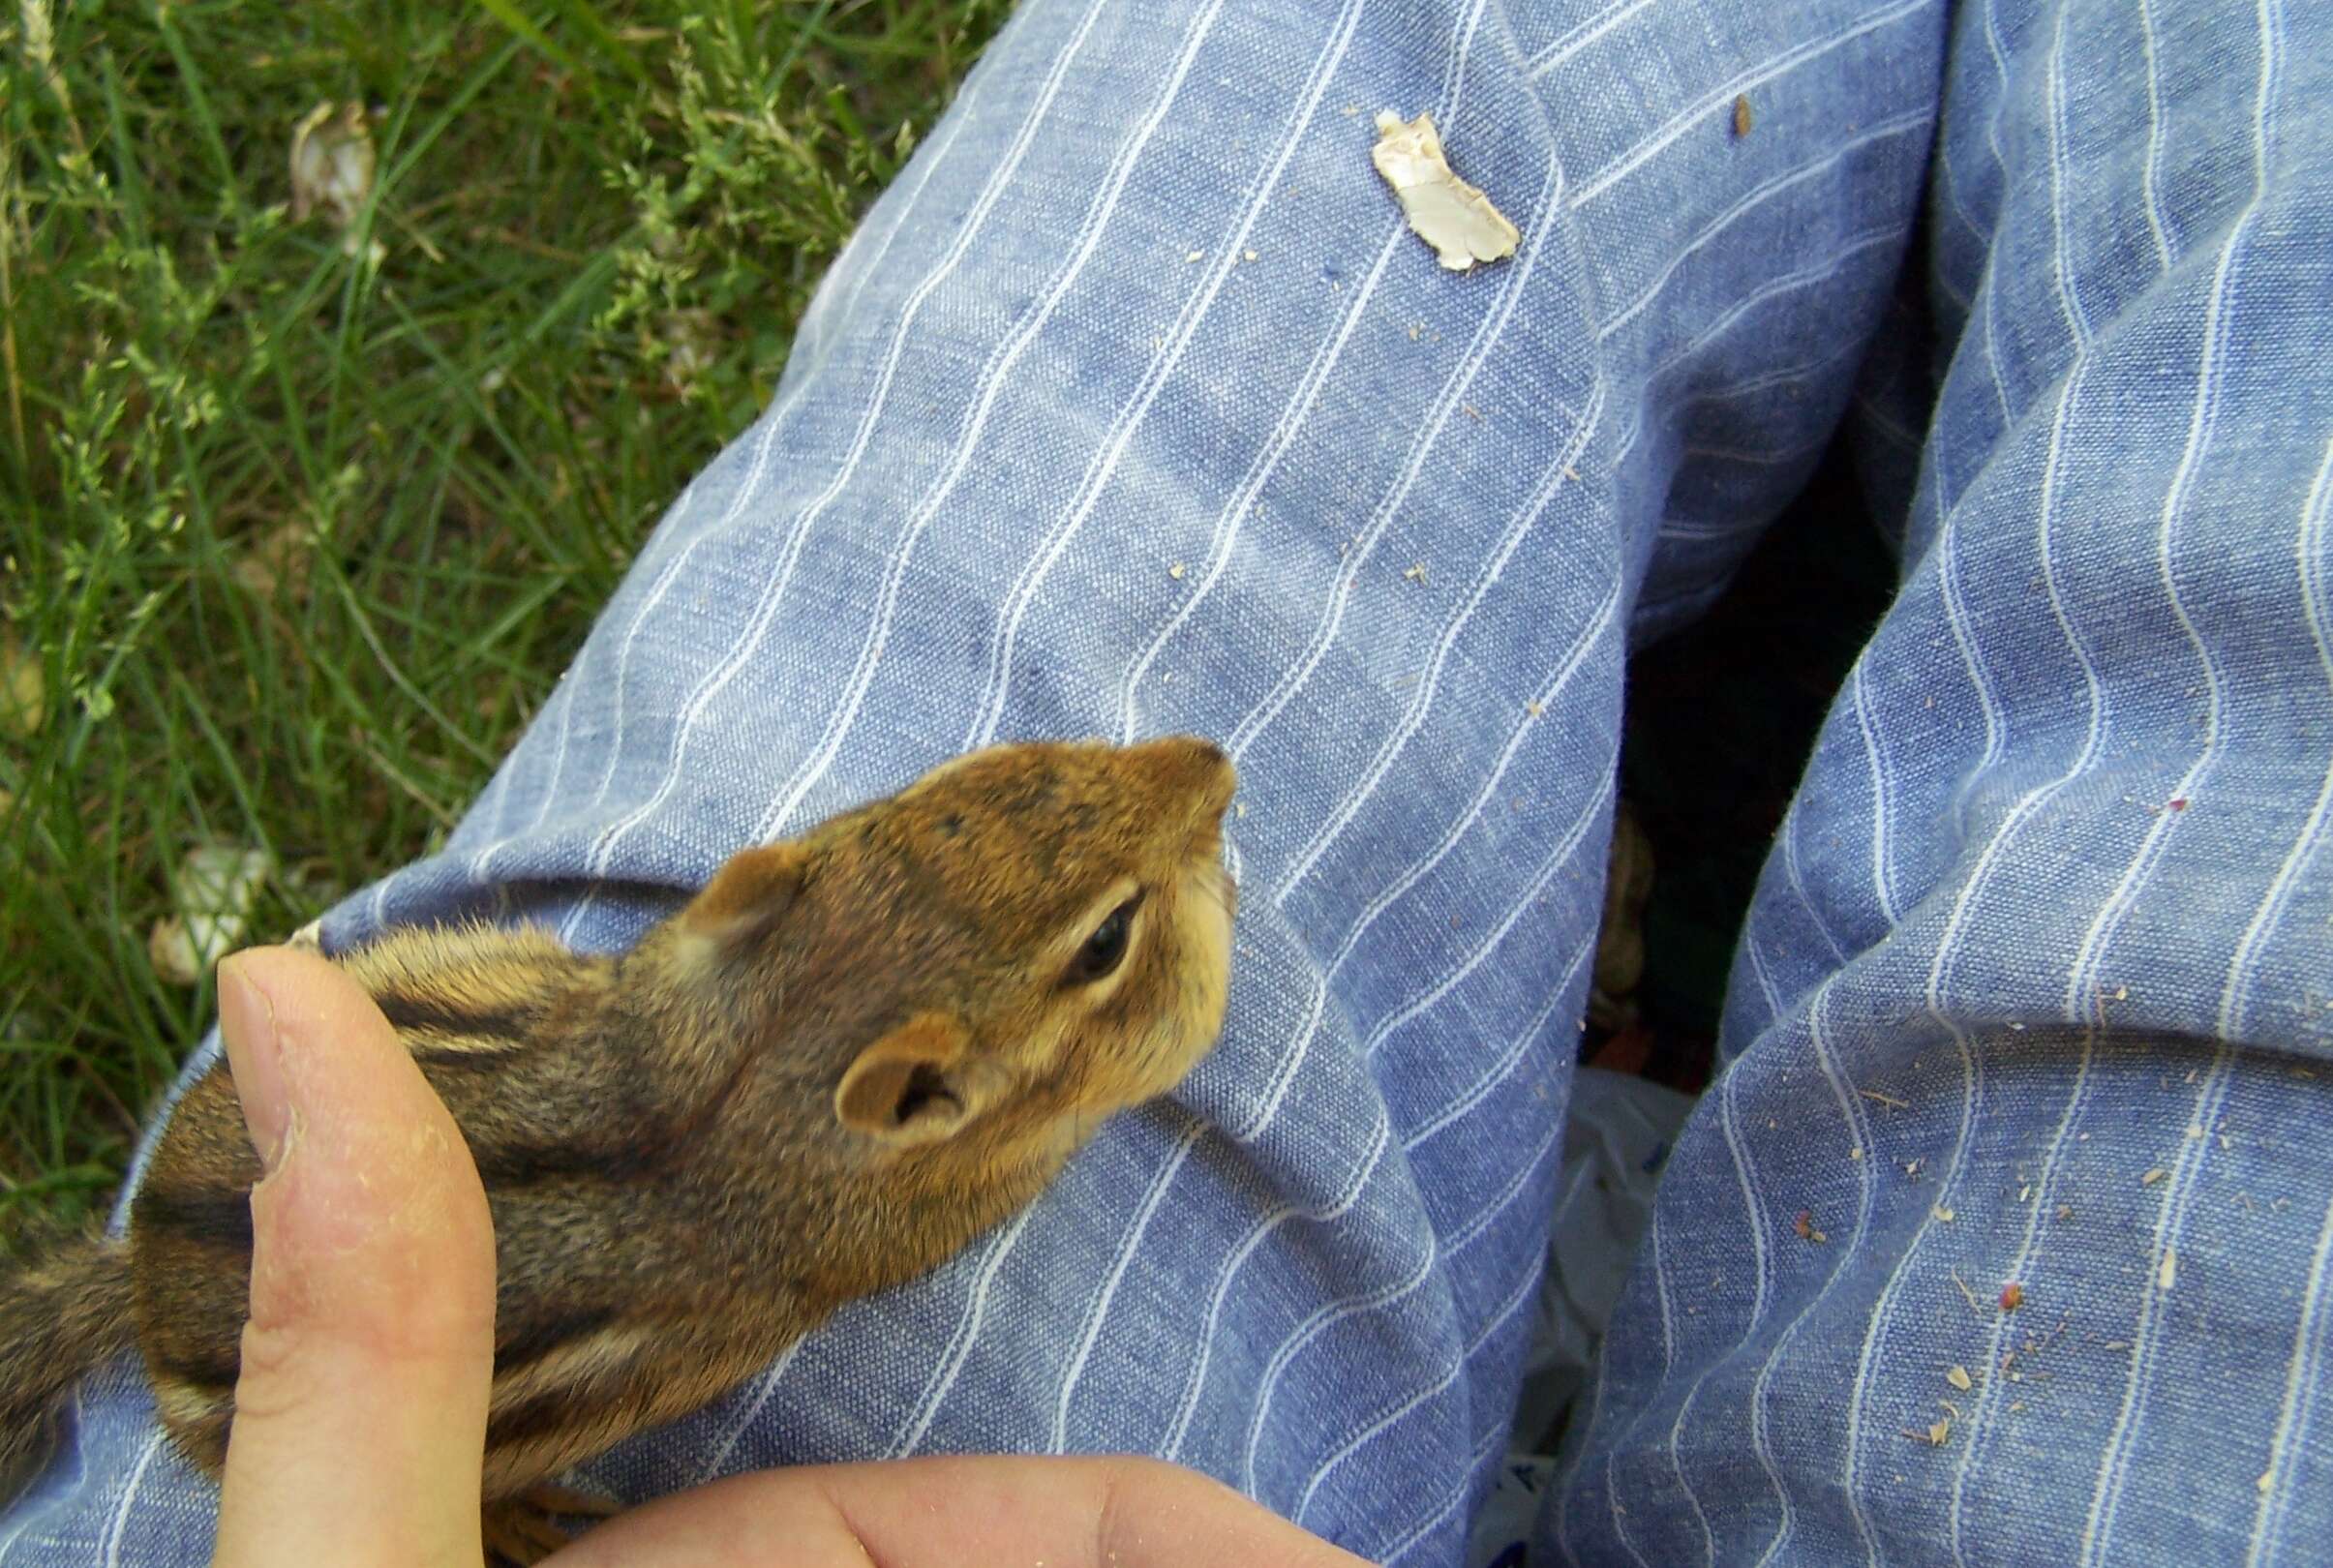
[[846, 1057]]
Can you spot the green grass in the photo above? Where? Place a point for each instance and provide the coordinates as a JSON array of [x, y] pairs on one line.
[[298, 532]]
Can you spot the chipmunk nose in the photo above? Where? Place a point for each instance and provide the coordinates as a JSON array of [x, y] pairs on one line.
[[1205, 766]]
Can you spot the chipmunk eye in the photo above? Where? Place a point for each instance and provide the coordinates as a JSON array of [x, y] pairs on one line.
[[1106, 948]]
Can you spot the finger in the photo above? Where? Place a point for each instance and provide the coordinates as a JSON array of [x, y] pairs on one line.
[[948, 1512], [360, 1412]]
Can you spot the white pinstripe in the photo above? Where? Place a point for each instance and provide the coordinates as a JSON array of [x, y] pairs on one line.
[[119, 1523], [1941, 282], [1850, 1111], [813, 324], [1652, 1250], [1772, 457], [1582, 35], [1991, 296], [571, 681], [1729, 1125], [1729, 1122], [1554, 863], [1422, 695], [1487, 332], [675, 558], [1758, 195], [1128, 1246], [1736, 1028], [1772, 290], [1940, 968], [605, 845], [2304, 1376], [1894, 430], [1700, 531], [1958, 622], [1797, 885], [23, 1515], [2082, 979], [928, 159], [1380, 1134], [1302, 1336], [1103, 464], [1979, 876], [2068, 291], [1678, 604], [2113, 1465], [1883, 880], [764, 1387], [1992, 121], [1425, 1528], [1757, 76], [1674, 1445], [2149, 173], [2235, 997], [1766, 983], [1515, 1299], [1259, 472], [1568, 1482], [1498, 1072], [1948, 183], [2170, 1219], [1971, 1065], [1317, 1322], [1284, 1077], [1738, 529], [1598, 628], [945, 1370], [1300, 404], [1981, 1424], [1619, 1515]]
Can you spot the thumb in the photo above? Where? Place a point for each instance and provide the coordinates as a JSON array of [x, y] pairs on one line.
[[360, 1411]]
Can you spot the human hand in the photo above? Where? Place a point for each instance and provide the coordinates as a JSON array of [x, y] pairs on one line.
[[361, 1421]]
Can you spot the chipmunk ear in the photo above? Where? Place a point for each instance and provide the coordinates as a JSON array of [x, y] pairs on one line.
[[913, 1085], [751, 892]]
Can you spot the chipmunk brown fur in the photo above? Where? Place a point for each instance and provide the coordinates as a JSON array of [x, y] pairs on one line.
[[850, 1054]]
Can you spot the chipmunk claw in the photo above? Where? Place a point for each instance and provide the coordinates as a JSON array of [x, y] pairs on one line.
[[525, 1530]]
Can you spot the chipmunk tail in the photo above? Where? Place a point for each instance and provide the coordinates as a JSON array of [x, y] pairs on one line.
[[62, 1315]]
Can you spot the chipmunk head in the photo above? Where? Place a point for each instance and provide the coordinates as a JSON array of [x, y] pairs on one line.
[[982, 967]]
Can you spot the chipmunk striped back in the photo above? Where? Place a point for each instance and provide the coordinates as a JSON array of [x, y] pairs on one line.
[[472, 1004]]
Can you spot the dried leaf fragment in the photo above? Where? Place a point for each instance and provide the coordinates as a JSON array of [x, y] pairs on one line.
[[1444, 210], [214, 890], [2167, 1275], [332, 163], [278, 564], [1935, 1437], [1958, 1375]]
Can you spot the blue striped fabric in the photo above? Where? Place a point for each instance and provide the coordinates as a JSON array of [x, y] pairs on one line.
[[1134, 409]]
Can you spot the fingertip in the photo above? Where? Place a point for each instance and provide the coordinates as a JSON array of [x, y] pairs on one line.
[[369, 1350]]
